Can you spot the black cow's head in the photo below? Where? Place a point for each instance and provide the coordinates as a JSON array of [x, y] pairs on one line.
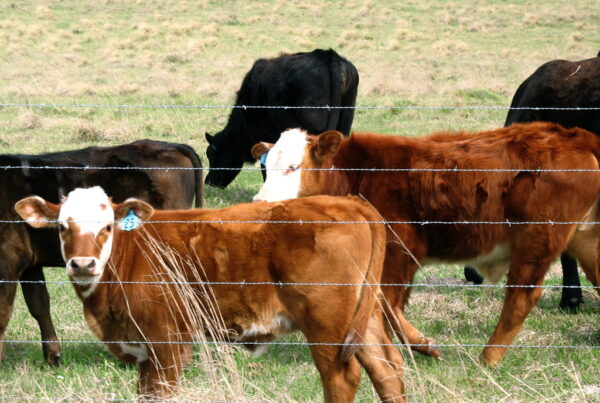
[[222, 154]]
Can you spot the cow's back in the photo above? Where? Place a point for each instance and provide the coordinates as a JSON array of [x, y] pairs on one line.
[[431, 185], [560, 84], [159, 187], [264, 243], [154, 183]]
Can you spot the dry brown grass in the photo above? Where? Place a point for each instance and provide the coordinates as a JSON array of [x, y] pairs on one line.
[[93, 132], [29, 120], [224, 381]]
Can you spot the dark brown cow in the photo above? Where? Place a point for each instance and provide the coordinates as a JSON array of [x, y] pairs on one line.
[[525, 251], [24, 251], [328, 251]]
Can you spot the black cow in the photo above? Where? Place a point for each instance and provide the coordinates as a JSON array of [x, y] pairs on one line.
[[559, 84], [24, 251], [318, 78]]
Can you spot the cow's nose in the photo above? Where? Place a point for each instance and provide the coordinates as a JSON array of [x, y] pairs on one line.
[[82, 266]]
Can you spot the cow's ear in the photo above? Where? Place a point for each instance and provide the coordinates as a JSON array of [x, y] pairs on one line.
[[327, 145], [209, 137], [38, 212], [261, 148], [133, 208]]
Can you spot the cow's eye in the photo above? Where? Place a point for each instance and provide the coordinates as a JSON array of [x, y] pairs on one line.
[[108, 228]]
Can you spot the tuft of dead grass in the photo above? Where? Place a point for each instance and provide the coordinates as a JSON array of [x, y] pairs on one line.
[[88, 132], [43, 11], [531, 20], [29, 120], [447, 48]]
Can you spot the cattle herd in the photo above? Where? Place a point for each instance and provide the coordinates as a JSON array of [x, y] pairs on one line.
[[488, 197]]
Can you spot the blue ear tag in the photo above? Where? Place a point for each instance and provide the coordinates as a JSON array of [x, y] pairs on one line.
[[263, 159], [130, 222]]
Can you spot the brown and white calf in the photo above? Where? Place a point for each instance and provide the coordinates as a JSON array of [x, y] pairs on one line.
[[231, 245], [425, 188]]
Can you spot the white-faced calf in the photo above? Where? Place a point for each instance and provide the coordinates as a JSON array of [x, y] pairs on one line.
[[239, 244], [489, 197]]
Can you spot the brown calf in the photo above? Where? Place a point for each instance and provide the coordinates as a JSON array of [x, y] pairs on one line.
[[415, 193], [97, 252]]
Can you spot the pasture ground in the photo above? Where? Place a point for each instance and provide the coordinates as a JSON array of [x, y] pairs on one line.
[[182, 52]]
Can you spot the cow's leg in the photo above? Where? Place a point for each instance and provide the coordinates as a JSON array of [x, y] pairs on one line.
[[400, 268], [38, 302], [571, 296], [590, 264], [340, 379], [408, 334], [518, 302], [585, 247], [7, 299], [159, 374], [325, 330], [382, 361]]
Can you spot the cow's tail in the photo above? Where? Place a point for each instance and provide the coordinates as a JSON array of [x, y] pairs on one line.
[[198, 180], [369, 290], [335, 90]]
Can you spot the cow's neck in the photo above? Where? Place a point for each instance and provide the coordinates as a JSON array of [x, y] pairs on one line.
[[337, 182], [366, 151], [351, 154], [98, 301]]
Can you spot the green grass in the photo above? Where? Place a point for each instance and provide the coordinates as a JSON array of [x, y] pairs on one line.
[[410, 53]]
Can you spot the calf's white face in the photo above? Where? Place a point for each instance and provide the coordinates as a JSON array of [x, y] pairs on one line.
[[284, 164], [85, 220]]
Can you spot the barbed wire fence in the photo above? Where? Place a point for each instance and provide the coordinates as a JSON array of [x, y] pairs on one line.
[[288, 107], [282, 284]]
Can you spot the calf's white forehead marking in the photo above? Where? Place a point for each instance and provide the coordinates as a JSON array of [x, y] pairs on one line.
[[89, 208], [282, 182], [288, 150]]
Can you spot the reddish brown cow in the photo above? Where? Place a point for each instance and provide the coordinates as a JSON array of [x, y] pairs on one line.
[[415, 193], [334, 318]]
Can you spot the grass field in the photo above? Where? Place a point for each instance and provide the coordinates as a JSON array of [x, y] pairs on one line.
[[182, 52]]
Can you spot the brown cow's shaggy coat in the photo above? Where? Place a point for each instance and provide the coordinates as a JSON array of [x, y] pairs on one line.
[[519, 195]]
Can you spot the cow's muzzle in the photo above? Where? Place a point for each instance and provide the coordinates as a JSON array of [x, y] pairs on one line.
[[82, 267]]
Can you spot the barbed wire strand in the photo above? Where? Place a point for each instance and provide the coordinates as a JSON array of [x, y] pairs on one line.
[[300, 343], [302, 222], [287, 107], [135, 168], [281, 284]]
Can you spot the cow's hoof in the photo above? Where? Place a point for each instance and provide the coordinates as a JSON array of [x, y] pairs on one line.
[[427, 347], [52, 358], [571, 304], [472, 275], [491, 357]]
